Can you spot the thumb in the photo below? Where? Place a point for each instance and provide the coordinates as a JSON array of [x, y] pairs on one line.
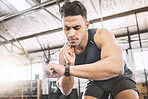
[[73, 50]]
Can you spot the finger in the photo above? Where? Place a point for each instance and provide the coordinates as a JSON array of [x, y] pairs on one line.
[[48, 70], [48, 73], [68, 49], [73, 51], [70, 52], [68, 44]]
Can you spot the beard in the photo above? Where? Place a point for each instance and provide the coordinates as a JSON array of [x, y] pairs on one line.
[[73, 45], [73, 41]]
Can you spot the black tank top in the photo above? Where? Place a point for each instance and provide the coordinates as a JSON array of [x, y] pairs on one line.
[[92, 53]]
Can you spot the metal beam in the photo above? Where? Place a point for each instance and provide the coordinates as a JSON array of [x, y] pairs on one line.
[[40, 50], [7, 40], [60, 29], [91, 21], [129, 38], [117, 36], [139, 36], [45, 4], [145, 47], [132, 33], [42, 7], [33, 35], [122, 14]]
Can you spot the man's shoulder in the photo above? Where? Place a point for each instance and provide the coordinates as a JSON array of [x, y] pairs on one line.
[[103, 32], [101, 35], [98, 30]]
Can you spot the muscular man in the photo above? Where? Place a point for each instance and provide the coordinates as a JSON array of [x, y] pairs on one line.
[[95, 55]]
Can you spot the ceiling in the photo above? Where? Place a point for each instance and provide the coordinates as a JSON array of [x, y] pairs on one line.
[[36, 33]]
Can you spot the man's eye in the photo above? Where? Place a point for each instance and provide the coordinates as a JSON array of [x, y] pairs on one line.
[[66, 28], [77, 27]]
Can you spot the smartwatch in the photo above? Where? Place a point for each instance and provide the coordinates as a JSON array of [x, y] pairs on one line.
[[67, 69]]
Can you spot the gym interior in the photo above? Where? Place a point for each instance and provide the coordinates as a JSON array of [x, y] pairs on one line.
[[31, 36]]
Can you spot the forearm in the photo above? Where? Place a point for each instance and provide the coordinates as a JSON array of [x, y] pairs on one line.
[[66, 55], [103, 69], [66, 84]]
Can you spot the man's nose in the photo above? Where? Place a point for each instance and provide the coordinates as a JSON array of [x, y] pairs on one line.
[[71, 32]]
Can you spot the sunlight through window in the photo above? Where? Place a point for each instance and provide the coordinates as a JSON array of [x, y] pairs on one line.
[[141, 60], [20, 5]]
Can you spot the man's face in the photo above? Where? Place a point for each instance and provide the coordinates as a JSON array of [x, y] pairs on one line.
[[75, 29]]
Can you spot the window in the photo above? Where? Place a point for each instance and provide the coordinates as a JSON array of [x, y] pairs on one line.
[[20, 4], [140, 59], [21, 73]]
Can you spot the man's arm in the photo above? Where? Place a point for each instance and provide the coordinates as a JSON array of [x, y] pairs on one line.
[[65, 84], [111, 63]]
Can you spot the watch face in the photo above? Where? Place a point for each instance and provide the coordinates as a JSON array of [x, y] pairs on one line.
[[67, 70]]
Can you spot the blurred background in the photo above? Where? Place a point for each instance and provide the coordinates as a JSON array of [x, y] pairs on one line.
[[31, 36]]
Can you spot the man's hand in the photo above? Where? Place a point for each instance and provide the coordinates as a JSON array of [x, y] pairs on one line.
[[68, 53], [53, 70]]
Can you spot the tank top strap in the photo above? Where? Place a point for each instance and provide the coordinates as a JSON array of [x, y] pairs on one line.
[[91, 33]]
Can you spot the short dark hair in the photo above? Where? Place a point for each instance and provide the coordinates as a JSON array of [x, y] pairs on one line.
[[72, 9]]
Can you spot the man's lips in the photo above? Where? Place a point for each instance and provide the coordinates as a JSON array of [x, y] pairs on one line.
[[72, 40]]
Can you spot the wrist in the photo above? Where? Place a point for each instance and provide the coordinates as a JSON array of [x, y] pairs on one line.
[[67, 69], [72, 63]]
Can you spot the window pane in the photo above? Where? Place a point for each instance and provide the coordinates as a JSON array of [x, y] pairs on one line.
[[141, 60]]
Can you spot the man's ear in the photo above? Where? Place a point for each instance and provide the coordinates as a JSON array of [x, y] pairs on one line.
[[87, 25]]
